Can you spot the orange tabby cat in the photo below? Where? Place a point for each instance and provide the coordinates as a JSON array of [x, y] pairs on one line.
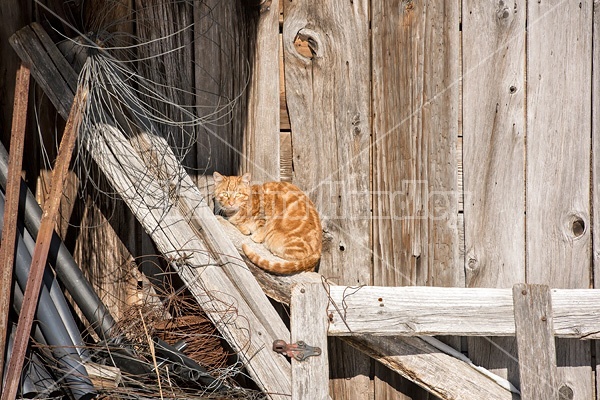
[[277, 214]]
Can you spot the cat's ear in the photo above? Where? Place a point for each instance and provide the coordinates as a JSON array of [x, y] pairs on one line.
[[246, 178], [218, 177]]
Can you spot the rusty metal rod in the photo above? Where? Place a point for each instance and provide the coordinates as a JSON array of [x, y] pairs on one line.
[[42, 245], [15, 161]]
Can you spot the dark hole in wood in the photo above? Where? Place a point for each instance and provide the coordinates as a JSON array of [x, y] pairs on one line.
[[578, 227], [342, 248]]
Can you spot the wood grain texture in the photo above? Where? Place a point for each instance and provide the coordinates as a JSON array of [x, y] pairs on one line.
[[262, 126], [494, 160], [535, 339], [326, 60], [596, 169], [418, 310], [309, 323], [411, 359], [444, 376], [220, 74], [219, 296], [559, 61], [415, 108], [415, 128]]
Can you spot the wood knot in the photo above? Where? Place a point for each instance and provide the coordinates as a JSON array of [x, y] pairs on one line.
[[565, 392], [306, 43]]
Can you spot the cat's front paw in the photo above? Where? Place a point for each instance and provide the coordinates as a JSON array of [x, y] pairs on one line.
[[244, 229], [258, 237]]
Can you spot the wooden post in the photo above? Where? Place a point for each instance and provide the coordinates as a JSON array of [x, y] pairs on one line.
[[42, 245], [535, 341], [11, 210], [309, 322]]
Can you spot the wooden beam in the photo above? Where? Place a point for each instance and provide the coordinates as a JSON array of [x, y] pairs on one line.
[[415, 310], [42, 245], [411, 357], [535, 341], [11, 210], [310, 377], [227, 292]]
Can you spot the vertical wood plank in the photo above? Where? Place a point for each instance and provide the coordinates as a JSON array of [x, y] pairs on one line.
[[559, 62], [309, 323], [415, 131], [262, 128], [415, 108], [326, 60], [596, 167], [220, 74], [535, 338], [494, 163]]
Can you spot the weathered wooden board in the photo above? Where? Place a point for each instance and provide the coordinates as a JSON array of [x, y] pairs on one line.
[[236, 305], [421, 310], [535, 339], [559, 63], [412, 358], [262, 127], [444, 376], [415, 129], [494, 160], [415, 106], [220, 297], [308, 323], [220, 74], [595, 192], [326, 52]]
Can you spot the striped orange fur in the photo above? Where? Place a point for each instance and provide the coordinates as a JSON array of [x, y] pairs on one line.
[[277, 214]]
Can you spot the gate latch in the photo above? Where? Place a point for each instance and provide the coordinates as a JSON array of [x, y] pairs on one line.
[[299, 350]]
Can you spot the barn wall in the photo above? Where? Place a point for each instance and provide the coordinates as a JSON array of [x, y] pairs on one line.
[[425, 132]]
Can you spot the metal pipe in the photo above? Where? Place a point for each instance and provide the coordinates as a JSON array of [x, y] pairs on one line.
[[59, 256], [53, 327]]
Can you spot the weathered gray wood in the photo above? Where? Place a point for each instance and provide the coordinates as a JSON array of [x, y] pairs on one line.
[[220, 73], [596, 169], [535, 339], [494, 160], [326, 59], [559, 63], [232, 313], [262, 127], [237, 307], [415, 100], [412, 358], [417, 310], [309, 322], [415, 129], [442, 375]]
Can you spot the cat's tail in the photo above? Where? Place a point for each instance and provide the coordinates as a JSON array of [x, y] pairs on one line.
[[282, 267]]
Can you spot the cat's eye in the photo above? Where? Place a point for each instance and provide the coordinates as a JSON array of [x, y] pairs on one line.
[[224, 194]]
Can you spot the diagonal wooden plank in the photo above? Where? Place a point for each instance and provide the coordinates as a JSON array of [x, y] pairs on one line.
[[13, 186], [253, 323]]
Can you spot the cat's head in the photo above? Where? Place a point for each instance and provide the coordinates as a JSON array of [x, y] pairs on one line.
[[231, 192]]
